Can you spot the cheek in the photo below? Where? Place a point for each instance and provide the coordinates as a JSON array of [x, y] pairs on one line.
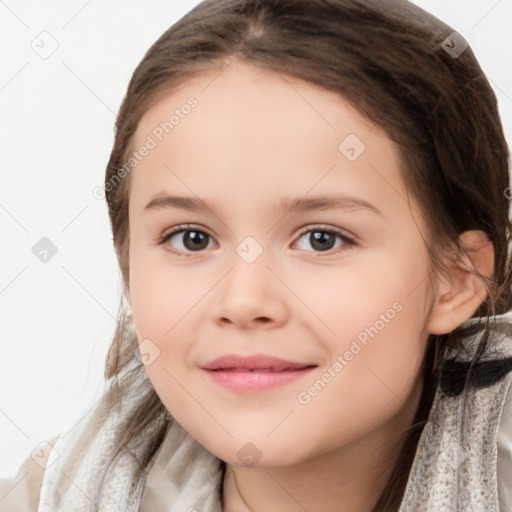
[[366, 385], [162, 303], [160, 297], [160, 321], [368, 298], [376, 352]]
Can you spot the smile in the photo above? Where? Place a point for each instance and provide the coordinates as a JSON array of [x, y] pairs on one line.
[[256, 372]]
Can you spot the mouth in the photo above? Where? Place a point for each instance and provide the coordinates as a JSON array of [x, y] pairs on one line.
[[255, 373]]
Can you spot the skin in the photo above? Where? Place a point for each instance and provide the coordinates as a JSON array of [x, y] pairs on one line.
[[252, 140]]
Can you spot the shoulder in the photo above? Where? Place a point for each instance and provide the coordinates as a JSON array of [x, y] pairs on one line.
[[504, 444], [21, 493]]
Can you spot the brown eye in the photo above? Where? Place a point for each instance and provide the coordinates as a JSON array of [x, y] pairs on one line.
[[323, 239], [186, 239]]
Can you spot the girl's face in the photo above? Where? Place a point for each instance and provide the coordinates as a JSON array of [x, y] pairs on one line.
[[337, 284]]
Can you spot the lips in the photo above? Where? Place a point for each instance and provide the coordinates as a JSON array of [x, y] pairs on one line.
[[256, 373], [259, 363]]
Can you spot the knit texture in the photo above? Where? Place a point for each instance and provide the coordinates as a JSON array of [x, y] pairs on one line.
[[455, 464]]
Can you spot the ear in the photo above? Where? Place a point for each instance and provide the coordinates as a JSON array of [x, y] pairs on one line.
[[460, 296]]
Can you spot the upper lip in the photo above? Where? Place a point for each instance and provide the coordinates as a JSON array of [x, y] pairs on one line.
[[254, 362]]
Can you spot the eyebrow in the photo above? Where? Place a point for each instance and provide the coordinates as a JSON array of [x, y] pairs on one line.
[[287, 204]]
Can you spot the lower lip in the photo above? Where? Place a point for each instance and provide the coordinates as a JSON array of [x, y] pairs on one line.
[[255, 381]]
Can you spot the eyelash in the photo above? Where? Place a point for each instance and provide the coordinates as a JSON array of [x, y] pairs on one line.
[[347, 241]]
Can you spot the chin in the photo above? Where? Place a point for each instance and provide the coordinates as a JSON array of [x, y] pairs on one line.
[[257, 454]]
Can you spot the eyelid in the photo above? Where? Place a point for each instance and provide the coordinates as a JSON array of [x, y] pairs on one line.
[[182, 227], [325, 227]]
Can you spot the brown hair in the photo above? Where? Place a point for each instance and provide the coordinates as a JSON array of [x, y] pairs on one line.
[[386, 58]]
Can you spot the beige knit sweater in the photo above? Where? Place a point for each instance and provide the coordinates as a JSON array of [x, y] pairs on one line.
[[463, 461]]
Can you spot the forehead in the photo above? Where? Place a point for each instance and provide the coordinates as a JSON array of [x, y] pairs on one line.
[[249, 127], [243, 91]]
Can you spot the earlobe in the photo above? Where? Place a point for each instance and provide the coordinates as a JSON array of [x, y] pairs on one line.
[[460, 296]]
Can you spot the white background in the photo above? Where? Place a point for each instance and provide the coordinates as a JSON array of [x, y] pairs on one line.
[[56, 120]]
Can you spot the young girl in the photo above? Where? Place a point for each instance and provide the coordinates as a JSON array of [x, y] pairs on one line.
[[310, 207]]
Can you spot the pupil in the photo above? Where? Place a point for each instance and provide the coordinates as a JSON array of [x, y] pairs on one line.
[[320, 240], [197, 240]]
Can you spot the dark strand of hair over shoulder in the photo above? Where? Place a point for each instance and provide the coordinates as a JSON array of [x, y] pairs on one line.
[[385, 57]]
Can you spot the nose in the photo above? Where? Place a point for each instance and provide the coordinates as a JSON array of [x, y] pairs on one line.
[[250, 296]]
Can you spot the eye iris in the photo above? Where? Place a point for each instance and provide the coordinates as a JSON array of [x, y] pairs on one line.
[[197, 238], [322, 240]]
